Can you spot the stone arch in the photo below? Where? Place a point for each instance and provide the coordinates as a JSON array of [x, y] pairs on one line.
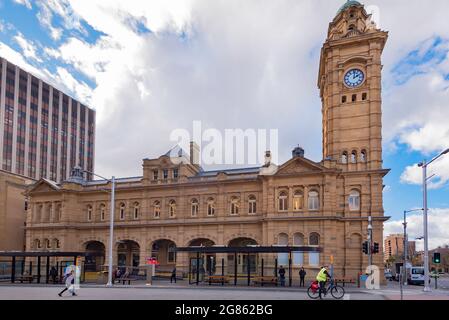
[[243, 240], [189, 239], [128, 254], [151, 240], [242, 235], [96, 255], [86, 240], [162, 250], [202, 241]]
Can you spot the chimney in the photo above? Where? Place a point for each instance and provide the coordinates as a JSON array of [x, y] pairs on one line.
[[298, 152], [267, 158], [194, 153]]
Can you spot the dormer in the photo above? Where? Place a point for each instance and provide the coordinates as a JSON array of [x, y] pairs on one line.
[[172, 167]]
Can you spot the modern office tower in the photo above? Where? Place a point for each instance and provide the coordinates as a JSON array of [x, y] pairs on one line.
[[44, 133]]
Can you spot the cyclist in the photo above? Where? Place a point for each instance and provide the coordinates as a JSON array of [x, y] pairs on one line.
[[322, 278]]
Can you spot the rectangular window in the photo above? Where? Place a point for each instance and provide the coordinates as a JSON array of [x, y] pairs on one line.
[[314, 258], [364, 96], [354, 98], [165, 172], [175, 173], [155, 175], [298, 258], [343, 99]]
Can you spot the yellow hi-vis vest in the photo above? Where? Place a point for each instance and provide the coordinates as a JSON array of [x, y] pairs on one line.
[[321, 275]]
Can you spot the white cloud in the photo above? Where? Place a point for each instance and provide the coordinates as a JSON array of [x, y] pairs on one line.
[[26, 3], [18, 59], [438, 224], [439, 168], [241, 62], [28, 47]]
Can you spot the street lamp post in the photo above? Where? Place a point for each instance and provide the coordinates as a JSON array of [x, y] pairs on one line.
[[424, 165], [111, 225], [406, 243]]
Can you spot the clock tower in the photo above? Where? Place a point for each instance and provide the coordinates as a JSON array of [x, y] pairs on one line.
[[350, 88]]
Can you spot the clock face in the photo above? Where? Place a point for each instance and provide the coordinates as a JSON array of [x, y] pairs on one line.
[[354, 78]]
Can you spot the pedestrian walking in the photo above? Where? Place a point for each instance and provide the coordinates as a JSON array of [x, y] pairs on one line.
[[69, 284], [173, 275], [302, 276]]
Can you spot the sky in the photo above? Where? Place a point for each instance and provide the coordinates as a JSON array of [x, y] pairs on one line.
[[149, 67]]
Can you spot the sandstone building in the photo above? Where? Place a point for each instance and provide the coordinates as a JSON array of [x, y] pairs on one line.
[[176, 204]]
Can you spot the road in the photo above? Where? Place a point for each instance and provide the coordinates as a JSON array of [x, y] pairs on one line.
[[148, 293]]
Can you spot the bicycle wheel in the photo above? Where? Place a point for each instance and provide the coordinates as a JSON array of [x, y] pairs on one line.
[[338, 292], [313, 294]]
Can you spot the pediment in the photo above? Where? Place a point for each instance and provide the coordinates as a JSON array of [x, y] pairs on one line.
[[299, 165], [44, 185]]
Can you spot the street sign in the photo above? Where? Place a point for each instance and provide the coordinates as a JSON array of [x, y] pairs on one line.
[[152, 261]]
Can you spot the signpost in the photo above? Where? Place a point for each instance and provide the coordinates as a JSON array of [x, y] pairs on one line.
[[151, 270]]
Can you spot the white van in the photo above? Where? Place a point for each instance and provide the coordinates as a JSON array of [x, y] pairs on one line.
[[416, 275]]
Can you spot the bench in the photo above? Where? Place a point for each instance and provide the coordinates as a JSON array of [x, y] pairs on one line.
[[344, 281], [218, 279], [24, 278], [124, 280], [266, 280]]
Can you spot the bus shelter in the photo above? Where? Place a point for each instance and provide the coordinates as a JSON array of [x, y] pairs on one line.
[[31, 267], [250, 264]]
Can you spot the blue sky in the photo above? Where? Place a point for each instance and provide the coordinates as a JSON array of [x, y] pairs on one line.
[[147, 67]]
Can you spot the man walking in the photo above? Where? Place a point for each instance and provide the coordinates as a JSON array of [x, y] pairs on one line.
[[69, 284], [173, 275]]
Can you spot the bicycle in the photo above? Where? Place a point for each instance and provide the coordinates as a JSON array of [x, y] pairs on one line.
[[336, 290]]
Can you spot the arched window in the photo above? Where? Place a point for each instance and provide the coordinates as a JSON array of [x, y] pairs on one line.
[[37, 244], [344, 158], [314, 200], [283, 201], [283, 257], [314, 257], [210, 207], [56, 244], [363, 156], [172, 208], [122, 211], [252, 204], [235, 203], [354, 157], [298, 257], [136, 210], [354, 200], [194, 207], [47, 244], [102, 212], [157, 209], [89, 213], [298, 200]]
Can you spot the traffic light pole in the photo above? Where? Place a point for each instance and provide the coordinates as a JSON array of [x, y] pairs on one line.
[[370, 242]]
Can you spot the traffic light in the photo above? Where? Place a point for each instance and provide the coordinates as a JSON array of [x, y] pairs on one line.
[[376, 248], [365, 247], [436, 257]]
